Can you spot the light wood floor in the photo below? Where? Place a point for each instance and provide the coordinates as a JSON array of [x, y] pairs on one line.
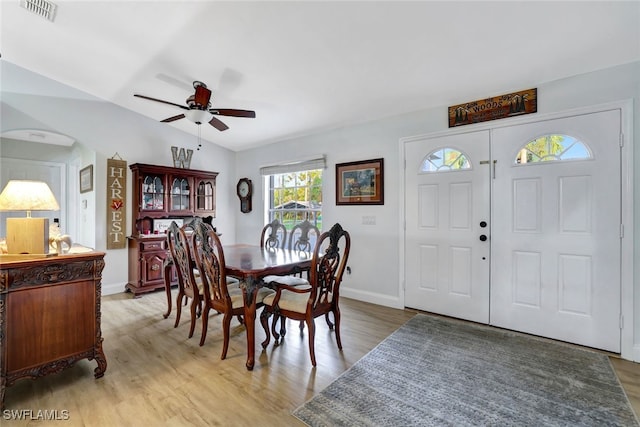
[[156, 376]]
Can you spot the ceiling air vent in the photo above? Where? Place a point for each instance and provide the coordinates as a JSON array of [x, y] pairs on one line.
[[43, 8]]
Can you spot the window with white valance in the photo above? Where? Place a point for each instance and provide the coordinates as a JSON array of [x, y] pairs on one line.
[[295, 191]]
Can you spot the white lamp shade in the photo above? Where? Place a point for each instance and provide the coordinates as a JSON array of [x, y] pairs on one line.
[[21, 195]]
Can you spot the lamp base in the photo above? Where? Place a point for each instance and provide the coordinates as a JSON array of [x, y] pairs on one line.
[[28, 236]]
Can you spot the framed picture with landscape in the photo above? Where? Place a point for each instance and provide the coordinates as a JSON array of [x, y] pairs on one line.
[[360, 183]]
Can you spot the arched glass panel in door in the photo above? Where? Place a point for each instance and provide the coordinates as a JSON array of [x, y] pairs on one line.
[[553, 147], [445, 159]]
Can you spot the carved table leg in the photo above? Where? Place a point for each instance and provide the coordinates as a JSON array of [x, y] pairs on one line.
[[249, 292]]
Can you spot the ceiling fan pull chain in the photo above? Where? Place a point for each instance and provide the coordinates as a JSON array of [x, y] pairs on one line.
[[199, 135]]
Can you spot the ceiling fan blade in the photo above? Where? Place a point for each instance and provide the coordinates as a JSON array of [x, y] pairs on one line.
[[202, 96], [218, 124], [173, 119], [184, 107], [233, 113]]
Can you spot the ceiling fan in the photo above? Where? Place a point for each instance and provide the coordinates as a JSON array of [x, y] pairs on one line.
[[198, 108]]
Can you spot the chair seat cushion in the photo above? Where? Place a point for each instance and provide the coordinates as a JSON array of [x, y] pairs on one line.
[[291, 301], [285, 280], [235, 292], [231, 281]]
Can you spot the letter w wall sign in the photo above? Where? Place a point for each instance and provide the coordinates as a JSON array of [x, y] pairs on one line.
[[116, 203]]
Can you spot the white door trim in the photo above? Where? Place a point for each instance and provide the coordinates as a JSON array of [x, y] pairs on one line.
[[629, 349]]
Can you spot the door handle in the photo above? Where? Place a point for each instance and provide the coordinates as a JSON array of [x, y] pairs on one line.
[[483, 237]]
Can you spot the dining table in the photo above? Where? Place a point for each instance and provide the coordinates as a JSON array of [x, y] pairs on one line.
[[250, 264]]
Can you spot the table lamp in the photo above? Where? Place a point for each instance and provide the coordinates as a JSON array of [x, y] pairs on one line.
[[28, 235]]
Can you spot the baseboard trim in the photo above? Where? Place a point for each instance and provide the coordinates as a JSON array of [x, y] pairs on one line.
[[112, 288], [373, 298]]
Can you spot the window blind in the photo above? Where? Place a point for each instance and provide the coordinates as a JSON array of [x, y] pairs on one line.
[[295, 166]]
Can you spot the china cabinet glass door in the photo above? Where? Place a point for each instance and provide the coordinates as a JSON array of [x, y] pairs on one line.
[[180, 200], [152, 193], [205, 196]]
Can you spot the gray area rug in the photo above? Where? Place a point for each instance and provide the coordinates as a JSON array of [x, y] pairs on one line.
[[434, 372]]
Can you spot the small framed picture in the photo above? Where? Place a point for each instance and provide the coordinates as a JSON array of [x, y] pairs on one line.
[[360, 183], [160, 226], [86, 179]]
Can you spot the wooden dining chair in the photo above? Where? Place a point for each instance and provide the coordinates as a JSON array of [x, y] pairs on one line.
[[227, 300], [320, 297], [302, 237], [188, 286], [205, 225], [274, 235]]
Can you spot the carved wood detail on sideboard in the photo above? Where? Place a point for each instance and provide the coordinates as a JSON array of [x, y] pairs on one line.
[[39, 294]]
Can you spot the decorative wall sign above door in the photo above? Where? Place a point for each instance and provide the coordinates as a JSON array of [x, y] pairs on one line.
[[497, 107]]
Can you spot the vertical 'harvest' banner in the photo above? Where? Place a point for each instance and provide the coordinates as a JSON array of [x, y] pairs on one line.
[[116, 199]]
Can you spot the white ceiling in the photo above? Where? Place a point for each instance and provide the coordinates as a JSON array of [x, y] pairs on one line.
[[305, 67]]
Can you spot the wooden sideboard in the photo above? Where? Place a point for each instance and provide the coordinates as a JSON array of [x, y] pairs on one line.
[[49, 315]]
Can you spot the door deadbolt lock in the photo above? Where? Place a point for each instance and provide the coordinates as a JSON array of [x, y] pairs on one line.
[[483, 224]]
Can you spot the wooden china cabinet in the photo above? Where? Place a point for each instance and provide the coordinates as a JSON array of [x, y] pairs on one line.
[[160, 195]]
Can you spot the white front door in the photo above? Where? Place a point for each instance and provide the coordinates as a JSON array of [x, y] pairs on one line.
[[556, 233], [447, 205], [551, 264]]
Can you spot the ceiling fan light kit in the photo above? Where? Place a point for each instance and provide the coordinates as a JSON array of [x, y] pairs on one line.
[[198, 108], [198, 116]]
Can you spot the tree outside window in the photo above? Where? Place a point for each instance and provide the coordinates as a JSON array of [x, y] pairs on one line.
[[296, 197]]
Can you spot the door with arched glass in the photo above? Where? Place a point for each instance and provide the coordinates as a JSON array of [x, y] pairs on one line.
[[556, 229], [519, 227], [447, 206]]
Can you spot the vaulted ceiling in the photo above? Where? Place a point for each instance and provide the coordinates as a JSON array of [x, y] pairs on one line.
[[306, 67]]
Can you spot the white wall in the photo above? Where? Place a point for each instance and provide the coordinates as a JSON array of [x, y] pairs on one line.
[[374, 256]]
